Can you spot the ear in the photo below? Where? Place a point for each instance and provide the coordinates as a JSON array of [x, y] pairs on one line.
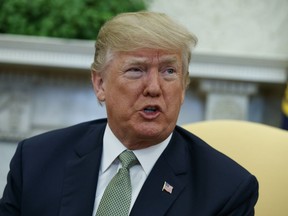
[[183, 96], [98, 85]]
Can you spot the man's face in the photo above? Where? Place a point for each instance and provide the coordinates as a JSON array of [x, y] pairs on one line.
[[143, 91]]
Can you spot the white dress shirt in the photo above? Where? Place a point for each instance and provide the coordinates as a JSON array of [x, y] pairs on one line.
[[110, 165]]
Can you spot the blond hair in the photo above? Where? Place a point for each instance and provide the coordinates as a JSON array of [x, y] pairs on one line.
[[136, 30]]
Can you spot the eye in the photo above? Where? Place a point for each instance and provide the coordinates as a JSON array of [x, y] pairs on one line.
[[134, 69], [170, 71], [134, 72]]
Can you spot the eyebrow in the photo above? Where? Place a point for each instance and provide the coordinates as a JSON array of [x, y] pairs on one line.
[[169, 59], [162, 60]]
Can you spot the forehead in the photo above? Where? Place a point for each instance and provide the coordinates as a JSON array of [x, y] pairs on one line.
[[149, 55]]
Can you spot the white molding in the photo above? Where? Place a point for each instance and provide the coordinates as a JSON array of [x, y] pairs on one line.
[[230, 66], [78, 54], [228, 87], [239, 72], [43, 51]]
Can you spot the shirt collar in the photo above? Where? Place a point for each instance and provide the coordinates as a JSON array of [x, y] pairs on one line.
[[112, 147]]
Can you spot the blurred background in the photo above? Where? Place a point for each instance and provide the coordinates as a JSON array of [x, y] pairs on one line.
[[238, 70]]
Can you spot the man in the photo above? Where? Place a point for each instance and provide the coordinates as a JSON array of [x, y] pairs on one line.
[[140, 71]]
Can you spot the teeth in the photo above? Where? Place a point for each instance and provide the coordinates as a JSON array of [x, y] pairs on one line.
[[150, 109]]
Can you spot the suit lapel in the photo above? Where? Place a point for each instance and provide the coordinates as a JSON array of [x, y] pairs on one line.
[[81, 175], [171, 167]]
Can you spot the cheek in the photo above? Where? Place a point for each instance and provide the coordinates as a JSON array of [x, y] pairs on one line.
[[121, 95], [175, 100], [176, 93]]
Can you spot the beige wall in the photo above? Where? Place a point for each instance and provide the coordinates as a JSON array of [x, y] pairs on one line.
[[241, 27]]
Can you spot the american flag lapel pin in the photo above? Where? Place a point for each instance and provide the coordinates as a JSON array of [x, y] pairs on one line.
[[167, 187]]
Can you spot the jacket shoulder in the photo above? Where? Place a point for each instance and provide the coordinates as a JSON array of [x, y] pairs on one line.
[[215, 176], [208, 156], [69, 132]]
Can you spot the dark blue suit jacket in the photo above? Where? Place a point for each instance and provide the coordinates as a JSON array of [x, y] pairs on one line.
[[56, 173]]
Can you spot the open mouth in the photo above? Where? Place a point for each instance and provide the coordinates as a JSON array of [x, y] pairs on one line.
[[150, 109], [151, 112]]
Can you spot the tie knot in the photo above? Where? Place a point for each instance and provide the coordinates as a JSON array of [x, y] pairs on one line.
[[128, 159]]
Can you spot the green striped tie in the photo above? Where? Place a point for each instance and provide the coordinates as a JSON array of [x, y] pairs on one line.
[[116, 199]]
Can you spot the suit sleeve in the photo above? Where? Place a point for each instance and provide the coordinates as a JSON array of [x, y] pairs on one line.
[[242, 202], [10, 203]]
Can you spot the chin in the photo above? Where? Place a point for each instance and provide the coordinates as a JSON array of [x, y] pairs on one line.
[[153, 132]]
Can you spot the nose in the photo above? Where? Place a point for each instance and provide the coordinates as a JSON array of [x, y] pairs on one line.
[[152, 84]]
